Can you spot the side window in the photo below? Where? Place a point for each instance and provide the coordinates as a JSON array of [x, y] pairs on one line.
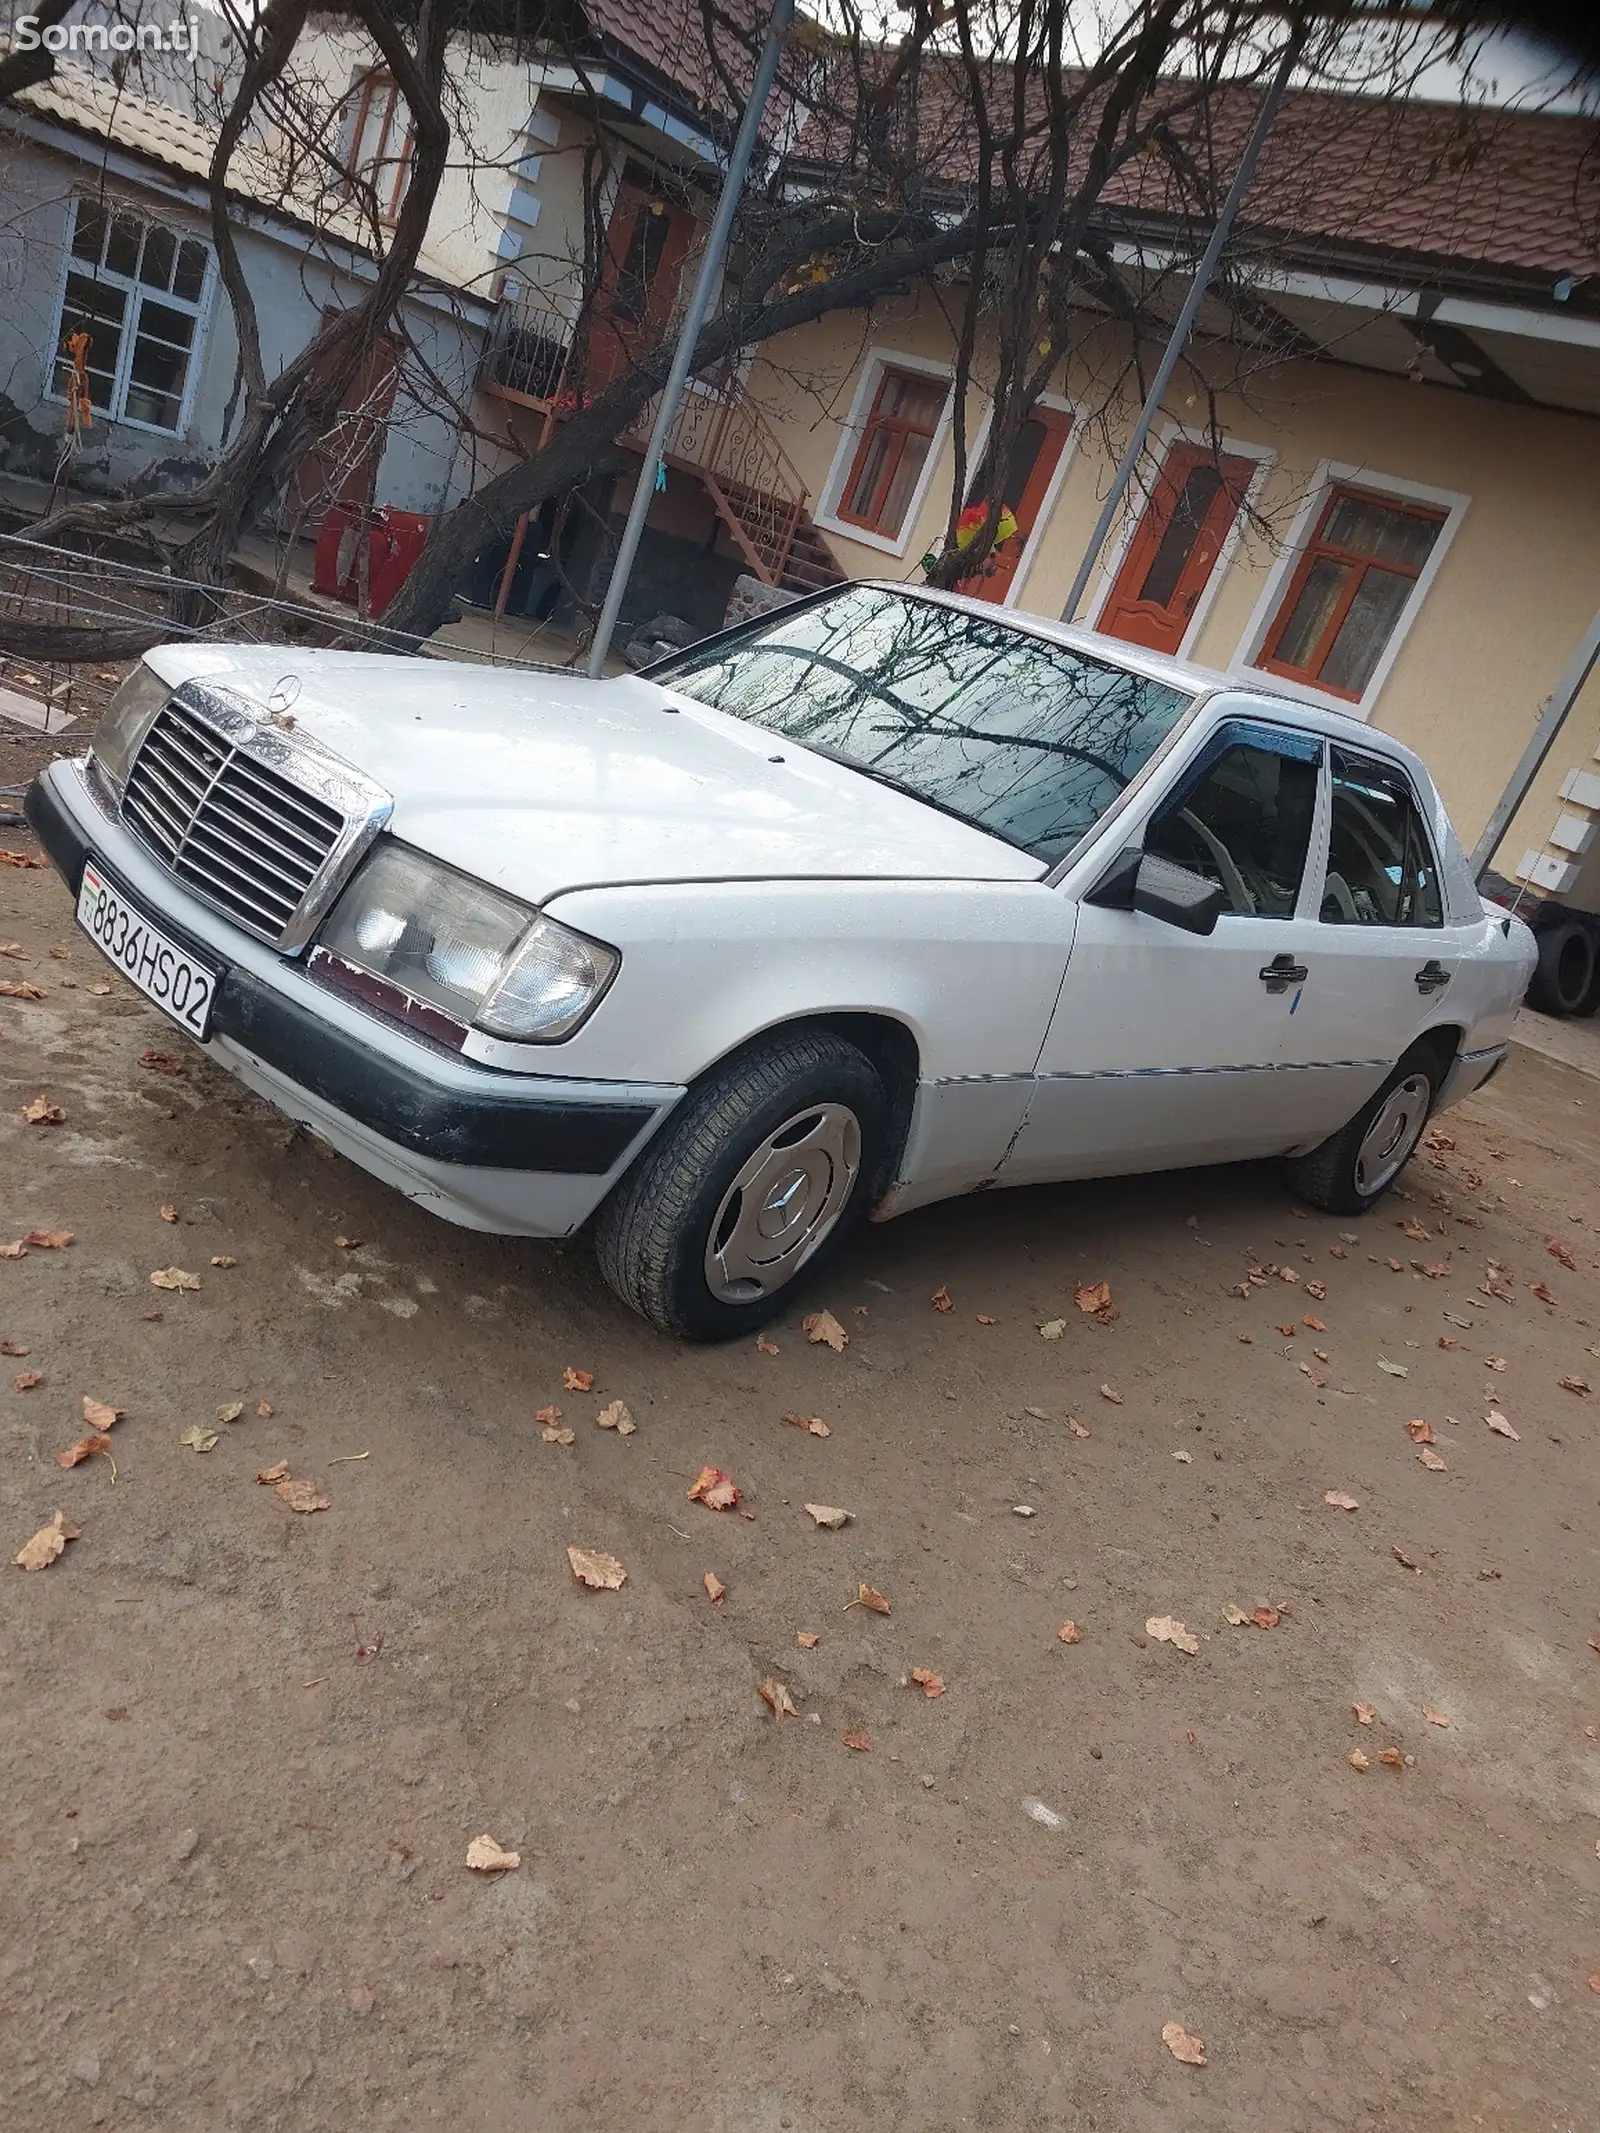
[[1245, 823], [1381, 868]]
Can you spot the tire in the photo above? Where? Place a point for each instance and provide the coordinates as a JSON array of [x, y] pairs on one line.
[[1353, 1168], [1562, 983], [704, 1235]]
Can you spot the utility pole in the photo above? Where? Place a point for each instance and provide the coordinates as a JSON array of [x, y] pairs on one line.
[[689, 333]]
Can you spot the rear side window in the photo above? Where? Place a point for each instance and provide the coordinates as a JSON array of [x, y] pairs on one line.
[[1381, 865], [1244, 824]]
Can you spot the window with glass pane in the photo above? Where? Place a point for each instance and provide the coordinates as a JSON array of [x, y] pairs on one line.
[[1351, 587], [136, 290], [1381, 866], [1245, 824], [1021, 737], [380, 142], [894, 447]]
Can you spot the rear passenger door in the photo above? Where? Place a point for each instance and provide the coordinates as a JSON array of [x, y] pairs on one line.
[[1380, 957]]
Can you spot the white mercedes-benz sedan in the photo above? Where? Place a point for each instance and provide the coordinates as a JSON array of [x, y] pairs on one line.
[[883, 897]]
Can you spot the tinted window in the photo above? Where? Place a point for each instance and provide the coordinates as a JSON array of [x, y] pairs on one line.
[[1024, 738], [1381, 868], [1246, 825]]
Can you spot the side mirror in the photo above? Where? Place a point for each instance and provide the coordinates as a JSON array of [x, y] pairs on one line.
[[1171, 893]]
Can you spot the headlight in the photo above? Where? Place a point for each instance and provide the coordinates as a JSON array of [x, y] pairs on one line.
[[129, 716], [481, 956]]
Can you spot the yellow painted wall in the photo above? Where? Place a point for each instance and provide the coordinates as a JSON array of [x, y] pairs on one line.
[[1512, 596]]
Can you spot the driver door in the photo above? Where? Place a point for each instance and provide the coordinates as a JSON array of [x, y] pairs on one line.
[[1164, 1046]]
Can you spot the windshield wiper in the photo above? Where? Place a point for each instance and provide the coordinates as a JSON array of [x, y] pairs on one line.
[[912, 792]]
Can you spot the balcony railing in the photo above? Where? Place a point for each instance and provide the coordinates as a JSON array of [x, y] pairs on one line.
[[526, 356], [722, 436]]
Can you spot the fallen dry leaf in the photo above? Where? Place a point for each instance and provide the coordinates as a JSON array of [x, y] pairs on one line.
[[13, 1348], [1287, 1273], [1434, 1718], [348, 1244], [1558, 1250], [272, 1474], [42, 1112], [28, 1380], [616, 1416], [1340, 1501], [984, 1319], [813, 1425], [1110, 1392], [1069, 1633], [1076, 1427], [558, 1436], [1313, 1325], [1317, 1290], [264, 1409], [825, 1329], [203, 1440], [224, 1260], [48, 1240], [300, 1495], [484, 1856], [1394, 1370], [773, 1693], [1496, 1421], [85, 1448], [859, 1740], [715, 1489], [1265, 1617], [1537, 1288], [1189, 2050], [577, 1380], [1355, 1758], [931, 1684], [764, 1346], [1365, 1713], [20, 989], [1052, 1329], [1235, 1614], [940, 1299], [602, 1573], [100, 1414], [230, 1410], [1406, 1562], [1419, 1232], [173, 1277], [829, 1515], [1167, 1629], [42, 1550], [168, 1212], [16, 1250], [875, 1602], [1392, 1759], [1431, 1460], [1578, 1385], [1093, 1299], [547, 1417], [163, 1063], [1494, 1362], [1420, 1432], [716, 1591], [807, 1639]]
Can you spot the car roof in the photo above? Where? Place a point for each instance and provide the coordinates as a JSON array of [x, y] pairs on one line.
[[1186, 674]]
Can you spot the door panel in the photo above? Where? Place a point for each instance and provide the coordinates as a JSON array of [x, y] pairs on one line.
[[1175, 547], [1165, 1047], [647, 240], [1030, 469]]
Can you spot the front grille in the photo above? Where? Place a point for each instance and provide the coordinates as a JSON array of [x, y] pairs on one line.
[[233, 829]]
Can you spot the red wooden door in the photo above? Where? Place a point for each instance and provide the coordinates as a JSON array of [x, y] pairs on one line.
[[646, 243], [1030, 468], [1175, 546]]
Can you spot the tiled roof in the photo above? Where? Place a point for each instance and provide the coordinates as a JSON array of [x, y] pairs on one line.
[[670, 37]]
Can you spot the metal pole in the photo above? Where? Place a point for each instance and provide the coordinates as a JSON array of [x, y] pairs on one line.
[[689, 333], [1552, 717], [1185, 323]]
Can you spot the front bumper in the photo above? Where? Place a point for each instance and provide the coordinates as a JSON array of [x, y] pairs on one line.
[[522, 1154]]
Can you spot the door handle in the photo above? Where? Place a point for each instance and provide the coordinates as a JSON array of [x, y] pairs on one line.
[[1282, 972], [1432, 977]]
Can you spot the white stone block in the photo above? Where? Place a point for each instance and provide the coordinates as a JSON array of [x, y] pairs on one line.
[[1572, 833], [1548, 872], [1582, 788]]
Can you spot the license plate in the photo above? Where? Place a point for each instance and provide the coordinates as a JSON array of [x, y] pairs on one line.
[[141, 951]]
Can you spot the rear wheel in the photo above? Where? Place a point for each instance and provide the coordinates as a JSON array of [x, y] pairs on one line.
[[764, 1169], [1356, 1166], [1562, 983]]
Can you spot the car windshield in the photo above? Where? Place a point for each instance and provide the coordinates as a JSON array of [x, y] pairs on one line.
[[1027, 739]]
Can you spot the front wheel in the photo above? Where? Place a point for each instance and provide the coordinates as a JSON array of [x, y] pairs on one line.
[[1355, 1167], [766, 1167]]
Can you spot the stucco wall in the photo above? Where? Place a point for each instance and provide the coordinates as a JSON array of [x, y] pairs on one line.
[[1512, 595]]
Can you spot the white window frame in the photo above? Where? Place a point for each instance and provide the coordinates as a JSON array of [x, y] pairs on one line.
[[1329, 474], [199, 310], [827, 514], [1168, 435]]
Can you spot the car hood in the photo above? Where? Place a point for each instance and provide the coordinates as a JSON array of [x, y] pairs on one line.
[[546, 782]]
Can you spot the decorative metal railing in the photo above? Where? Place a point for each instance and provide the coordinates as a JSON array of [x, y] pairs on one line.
[[721, 434], [528, 346]]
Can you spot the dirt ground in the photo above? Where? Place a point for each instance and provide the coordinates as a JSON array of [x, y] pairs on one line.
[[246, 1749]]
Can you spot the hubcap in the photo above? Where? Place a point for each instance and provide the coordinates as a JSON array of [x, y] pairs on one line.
[[1393, 1134], [786, 1198]]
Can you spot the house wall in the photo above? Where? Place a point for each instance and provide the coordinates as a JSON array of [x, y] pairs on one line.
[[290, 287], [1512, 595]]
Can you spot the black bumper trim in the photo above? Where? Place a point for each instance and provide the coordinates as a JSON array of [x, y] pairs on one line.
[[514, 1129]]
